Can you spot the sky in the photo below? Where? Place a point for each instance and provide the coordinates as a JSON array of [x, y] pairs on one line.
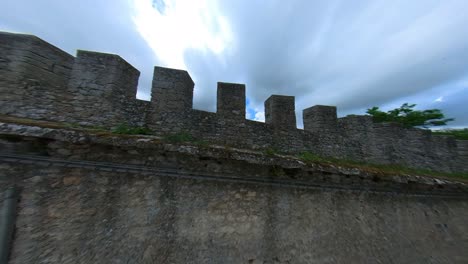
[[351, 54]]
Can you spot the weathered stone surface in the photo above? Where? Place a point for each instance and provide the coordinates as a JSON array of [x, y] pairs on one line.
[[33, 77], [103, 88], [121, 217], [151, 151], [172, 90], [39, 81], [231, 101], [320, 119], [280, 112], [93, 198]]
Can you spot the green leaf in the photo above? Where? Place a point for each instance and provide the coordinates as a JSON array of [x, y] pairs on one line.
[[408, 117]]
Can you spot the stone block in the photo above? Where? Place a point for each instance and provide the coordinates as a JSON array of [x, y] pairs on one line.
[[280, 111], [320, 118], [231, 100], [172, 90], [101, 86], [103, 74], [33, 74]]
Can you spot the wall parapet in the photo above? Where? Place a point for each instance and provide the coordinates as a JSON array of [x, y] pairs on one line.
[[280, 112], [40, 81]]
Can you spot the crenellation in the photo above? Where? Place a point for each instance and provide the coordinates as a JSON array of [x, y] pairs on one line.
[[103, 83], [280, 112], [34, 75], [172, 90], [106, 72], [231, 101], [208, 187], [39, 81]]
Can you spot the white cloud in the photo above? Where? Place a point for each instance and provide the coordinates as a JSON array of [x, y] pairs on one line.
[[183, 25], [259, 115]]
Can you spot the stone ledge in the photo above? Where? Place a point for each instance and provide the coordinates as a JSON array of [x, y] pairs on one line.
[[152, 151]]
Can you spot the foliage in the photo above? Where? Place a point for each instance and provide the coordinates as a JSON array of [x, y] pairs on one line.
[[125, 129], [179, 137], [457, 133], [270, 152], [87, 127], [389, 169], [310, 157], [202, 143], [407, 116]]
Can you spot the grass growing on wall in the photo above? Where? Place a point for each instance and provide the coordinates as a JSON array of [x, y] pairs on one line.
[[311, 157], [457, 133], [307, 157], [392, 169], [270, 151], [179, 137], [124, 129]]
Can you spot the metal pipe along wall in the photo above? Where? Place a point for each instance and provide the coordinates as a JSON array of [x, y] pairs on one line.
[[7, 222]]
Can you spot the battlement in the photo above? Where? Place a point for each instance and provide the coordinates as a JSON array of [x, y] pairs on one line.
[[172, 90], [39, 81], [231, 100], [280, 111]]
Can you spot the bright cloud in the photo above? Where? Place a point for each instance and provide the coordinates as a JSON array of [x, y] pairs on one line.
[[182, 25], [259, 115]]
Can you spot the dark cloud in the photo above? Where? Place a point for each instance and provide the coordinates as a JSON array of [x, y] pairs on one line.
[[353, 54], [455, 106]]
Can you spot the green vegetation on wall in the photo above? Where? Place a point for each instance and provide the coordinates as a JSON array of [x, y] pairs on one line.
[[457, 133], [407, 116], [125, 129]]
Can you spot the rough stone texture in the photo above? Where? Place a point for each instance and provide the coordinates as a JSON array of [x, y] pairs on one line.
[[280, 112], [172, 90], [91, 216], [231, 100], [152, 152], [462, 148], [100, 198], [103, 87], [320, 118], [93, 198], [217, 207], [35, 83], [33, 77]]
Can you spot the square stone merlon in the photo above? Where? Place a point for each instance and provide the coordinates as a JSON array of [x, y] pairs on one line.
[[33, 74], [107, 75], [320, 118], [231, 100], [280, 111], [27, 57], [172, 90]]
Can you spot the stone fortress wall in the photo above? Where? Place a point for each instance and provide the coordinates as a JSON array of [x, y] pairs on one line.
[[40, 81]]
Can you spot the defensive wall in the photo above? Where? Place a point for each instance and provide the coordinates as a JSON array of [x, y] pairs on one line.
[[40, 81], [94, 198], [71, 194]]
